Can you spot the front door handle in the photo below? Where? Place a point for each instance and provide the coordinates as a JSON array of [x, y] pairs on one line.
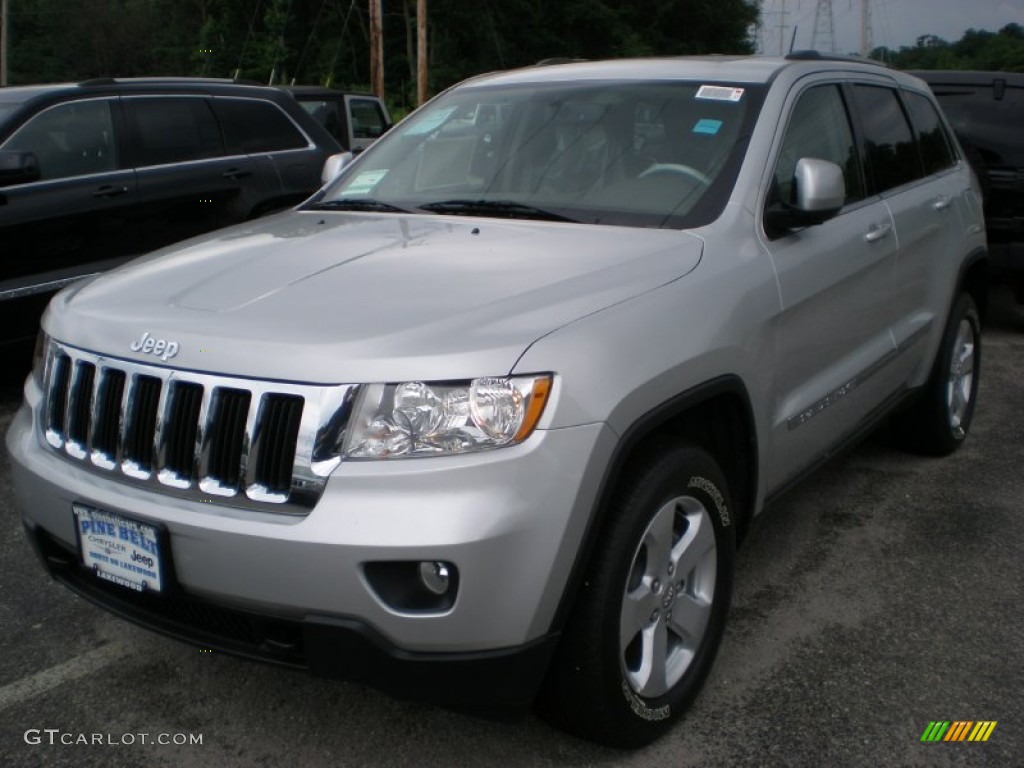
[[942, 203], [110, 190], [878, 232], [235, 173]]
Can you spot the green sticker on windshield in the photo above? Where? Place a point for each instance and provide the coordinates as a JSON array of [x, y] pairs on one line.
[[364, 182]]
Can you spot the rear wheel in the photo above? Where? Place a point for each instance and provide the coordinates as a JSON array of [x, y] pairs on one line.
[[938, 423], [652, 610]]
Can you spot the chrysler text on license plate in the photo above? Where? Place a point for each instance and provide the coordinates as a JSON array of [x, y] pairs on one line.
[[122, 551]]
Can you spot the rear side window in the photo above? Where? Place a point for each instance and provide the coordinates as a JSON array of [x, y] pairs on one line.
[[252, 126], [987, 117], [325, 113], [173, 130], [936, 153], [367, 119], [889, 151], [72, 139], [818, 128]]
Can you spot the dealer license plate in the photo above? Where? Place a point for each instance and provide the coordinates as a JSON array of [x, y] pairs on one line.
[[118, 550]]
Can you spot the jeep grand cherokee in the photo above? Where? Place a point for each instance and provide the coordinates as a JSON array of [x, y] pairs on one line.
[[484, 420]]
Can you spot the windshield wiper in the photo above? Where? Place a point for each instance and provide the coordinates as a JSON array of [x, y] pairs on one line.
[[355, 204], [505, 209]]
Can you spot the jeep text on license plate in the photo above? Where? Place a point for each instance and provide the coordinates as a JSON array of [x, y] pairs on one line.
[[118, 550]]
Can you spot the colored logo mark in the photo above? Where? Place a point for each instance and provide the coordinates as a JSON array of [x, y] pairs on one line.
[[958, 730]]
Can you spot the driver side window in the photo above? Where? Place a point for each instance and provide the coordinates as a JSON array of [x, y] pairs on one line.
[[72, 139], [818, 128]]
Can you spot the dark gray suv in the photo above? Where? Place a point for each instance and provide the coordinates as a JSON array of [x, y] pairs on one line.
[[986, 110], [96, 172]]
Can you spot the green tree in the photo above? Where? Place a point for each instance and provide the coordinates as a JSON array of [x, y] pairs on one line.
[[977, 49], [328, 40]]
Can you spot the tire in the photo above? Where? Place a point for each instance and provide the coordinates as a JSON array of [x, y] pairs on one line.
[[626, 667], [939, 421]]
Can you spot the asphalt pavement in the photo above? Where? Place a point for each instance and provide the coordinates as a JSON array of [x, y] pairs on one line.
[[882, 595]]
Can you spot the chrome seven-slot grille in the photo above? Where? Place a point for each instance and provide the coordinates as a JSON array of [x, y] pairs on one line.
[[230, 440]]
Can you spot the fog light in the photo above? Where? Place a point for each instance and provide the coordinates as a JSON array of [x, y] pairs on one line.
[[435, 576], [414, 586]]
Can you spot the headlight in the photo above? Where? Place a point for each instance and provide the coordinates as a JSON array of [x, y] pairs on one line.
[[434, 419]]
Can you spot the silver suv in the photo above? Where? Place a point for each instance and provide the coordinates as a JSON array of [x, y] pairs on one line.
[[484, 420]]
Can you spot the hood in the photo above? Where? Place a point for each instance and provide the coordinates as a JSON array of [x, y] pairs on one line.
[[341, 297]]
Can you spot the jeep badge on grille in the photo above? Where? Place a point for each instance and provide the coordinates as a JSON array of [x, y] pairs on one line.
[[162, 348]]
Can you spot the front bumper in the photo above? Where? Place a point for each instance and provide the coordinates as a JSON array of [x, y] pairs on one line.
[[293, 589], [495, 683]]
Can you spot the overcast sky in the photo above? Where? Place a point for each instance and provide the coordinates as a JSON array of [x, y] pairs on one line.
[[894, 23]]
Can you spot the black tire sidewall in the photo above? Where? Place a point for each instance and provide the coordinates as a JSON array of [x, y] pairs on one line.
[[947, 439], [605, 707]]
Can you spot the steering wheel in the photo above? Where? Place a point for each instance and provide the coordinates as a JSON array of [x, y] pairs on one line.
[[685, 170]]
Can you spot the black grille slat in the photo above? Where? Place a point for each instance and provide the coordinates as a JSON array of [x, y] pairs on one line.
[[108, 417], [181, 428], [81, 403], [227, 434], [141, 428], [57, 410], [193, 434], [279, 429]]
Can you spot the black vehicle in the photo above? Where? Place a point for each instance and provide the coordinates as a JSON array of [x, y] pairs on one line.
[[94, 173], [356, 120], [986, 109]]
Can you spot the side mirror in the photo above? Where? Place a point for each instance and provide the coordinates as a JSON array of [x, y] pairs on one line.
[[333, 166], [18, 168], [820, 191]]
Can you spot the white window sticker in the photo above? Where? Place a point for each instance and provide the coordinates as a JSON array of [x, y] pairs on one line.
[[719, 93]]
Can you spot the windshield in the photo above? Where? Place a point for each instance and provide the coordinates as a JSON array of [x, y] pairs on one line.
[[661, 154]]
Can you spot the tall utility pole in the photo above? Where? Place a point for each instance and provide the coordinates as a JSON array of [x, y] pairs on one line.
[[376, 49], [865, 28], [3, 42], [421, 51]]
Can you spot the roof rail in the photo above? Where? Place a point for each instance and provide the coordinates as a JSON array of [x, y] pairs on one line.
[[813, 55], [98, 81], [556, 60]]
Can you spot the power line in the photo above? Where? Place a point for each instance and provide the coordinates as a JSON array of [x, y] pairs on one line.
[[302, 57], [248, 37]]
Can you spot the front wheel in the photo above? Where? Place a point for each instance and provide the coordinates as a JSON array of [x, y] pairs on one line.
[[938, 423], [652, 609]]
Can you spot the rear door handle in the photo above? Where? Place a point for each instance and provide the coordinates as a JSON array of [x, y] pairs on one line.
[[878, 232], [942, 203], [235, 173], [110, 190]]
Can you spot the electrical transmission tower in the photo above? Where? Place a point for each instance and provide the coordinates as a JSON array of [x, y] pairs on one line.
[[865, 28], [824, 37]]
